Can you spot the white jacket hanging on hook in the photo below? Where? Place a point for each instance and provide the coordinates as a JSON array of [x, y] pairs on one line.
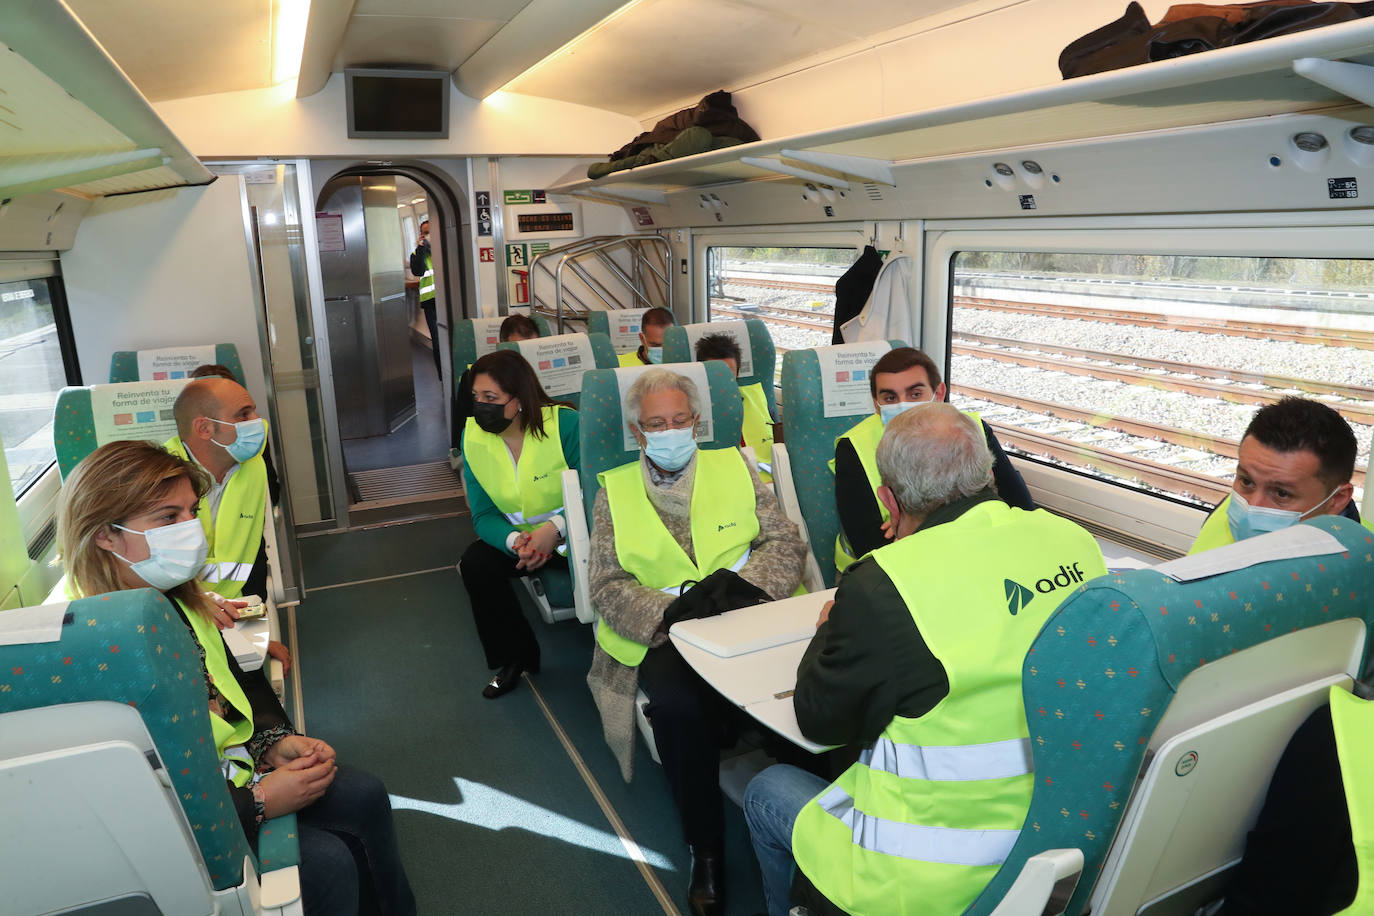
[[887, 313]]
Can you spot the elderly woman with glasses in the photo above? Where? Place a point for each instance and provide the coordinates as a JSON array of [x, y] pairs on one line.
[[676, 515]]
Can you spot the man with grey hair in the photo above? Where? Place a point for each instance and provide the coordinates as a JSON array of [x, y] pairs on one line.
[[676, 515], [918, 660]]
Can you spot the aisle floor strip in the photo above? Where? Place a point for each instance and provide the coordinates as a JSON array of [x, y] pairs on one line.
[[631, 847], [418, 572], [297, 699]]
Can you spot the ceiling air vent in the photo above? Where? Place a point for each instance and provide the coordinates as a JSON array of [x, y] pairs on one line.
[[873, 191]]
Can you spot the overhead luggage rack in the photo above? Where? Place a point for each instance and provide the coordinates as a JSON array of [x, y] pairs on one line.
[[1309, 71], [602, 272]]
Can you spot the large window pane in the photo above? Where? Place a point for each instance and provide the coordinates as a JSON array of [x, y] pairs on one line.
[[1145, 369], [791, 289], [31, 375]]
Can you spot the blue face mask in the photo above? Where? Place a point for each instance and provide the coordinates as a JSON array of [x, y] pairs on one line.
[[1246, 520], [252, 435], [655, 354], [671, 449], [888, 411]]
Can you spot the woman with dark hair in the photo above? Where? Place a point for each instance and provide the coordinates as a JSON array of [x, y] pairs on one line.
[[516, 446]]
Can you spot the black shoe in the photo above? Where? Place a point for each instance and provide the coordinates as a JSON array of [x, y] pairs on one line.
[[706, 893], [504, 682]]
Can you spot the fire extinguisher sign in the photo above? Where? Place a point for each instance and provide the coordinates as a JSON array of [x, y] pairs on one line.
[[517, 255]]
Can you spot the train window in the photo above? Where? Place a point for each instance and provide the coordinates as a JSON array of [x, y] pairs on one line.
[[791, 289], [1145, 369], [32, 371]]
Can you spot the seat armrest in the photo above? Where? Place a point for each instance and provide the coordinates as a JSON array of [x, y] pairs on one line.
[[785, 490], [1044, 886], [279, 889], [579, 544]]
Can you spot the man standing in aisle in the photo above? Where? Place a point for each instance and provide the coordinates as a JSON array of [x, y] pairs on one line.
[[422, 266]]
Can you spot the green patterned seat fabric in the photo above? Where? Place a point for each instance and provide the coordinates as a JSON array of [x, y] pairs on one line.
[[599, 322], [676, 350], [1106, 665], [603, 427], [558, 586], [73, 429], [132, 647], [542, 324], [602, 352], [124, 364], [811, 439]]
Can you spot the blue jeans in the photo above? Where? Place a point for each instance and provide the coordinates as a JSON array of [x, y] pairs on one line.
[[349, 859], [772, 802]]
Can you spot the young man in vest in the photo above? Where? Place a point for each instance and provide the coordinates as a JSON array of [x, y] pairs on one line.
[[675, 515], [758, 422], [1295, 461], [924, 819], [902, 378], [651, 327], [422, 266]]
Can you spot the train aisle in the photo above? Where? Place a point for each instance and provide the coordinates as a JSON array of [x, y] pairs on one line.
[[492, 812]]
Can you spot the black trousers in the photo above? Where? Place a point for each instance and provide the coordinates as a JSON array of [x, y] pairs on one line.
[[432, 319], [691, 722], [506, 635]]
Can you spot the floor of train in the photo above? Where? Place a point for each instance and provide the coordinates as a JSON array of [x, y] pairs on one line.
[[492, 812]]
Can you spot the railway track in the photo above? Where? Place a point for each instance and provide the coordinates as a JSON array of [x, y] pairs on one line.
[[1352, 392], [1217, 445], [768, 315], [1200, 387], [1257, 330], [1164, 477], [768, 283]]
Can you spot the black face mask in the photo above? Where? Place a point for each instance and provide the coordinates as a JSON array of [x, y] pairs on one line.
[[491, 418]]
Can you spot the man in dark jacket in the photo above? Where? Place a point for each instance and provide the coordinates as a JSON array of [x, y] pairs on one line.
[[939, 715]]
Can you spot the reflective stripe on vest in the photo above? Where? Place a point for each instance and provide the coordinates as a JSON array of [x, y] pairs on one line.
[[723, 520], [528, 492], [921, 822], [865, 436], [676, 590], [234, 531], [427, 280], [757, 431], [1216, 530], [238, 767], [1352, 719], [994, 760], [945, 845]]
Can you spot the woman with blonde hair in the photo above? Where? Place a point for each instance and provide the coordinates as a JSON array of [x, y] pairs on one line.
[[127, 519]]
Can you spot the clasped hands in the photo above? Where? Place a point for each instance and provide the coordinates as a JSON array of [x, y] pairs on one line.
[[533, 548]]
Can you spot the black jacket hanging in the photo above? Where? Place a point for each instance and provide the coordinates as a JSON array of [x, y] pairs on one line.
[[854, 287]]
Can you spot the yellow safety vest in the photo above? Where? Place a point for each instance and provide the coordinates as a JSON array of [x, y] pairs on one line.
[[1352, 719], [630, 359], [427, 281], [528, 493], [865, 437], [724, 524], [229, 739], [235, 532], [758, 428], [1216, 530], [927, 815]]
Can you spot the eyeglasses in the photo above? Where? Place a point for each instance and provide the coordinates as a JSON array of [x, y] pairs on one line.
[[658, 424]]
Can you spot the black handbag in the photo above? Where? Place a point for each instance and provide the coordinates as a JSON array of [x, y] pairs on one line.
[[723, 590]]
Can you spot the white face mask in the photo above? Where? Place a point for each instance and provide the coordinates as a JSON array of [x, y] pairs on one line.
[[176, 554]]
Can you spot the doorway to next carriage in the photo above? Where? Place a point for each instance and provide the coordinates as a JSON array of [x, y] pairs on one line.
[[387, 315]]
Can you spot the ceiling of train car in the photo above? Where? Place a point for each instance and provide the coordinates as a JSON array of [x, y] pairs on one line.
[[172, 49], [649, 55], [665, 52]]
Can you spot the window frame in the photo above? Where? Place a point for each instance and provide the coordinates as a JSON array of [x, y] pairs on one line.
[[847, 235], [37, 503], [1155, 520]]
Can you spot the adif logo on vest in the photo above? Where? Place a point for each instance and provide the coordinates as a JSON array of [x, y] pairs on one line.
[[726, 525], [539, 477], [1018, 596]]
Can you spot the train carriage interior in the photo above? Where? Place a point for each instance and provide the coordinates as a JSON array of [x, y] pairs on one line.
[[1115, 240]]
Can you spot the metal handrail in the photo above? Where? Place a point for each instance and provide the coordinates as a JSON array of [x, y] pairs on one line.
[[644, 250]]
